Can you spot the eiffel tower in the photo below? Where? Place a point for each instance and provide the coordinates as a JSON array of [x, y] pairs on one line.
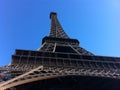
[[61, 64]]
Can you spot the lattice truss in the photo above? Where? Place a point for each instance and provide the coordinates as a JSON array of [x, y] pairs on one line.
[[58, 56], [56, 28], [57, 31], [38, 65], [42, 73], [51, 47]]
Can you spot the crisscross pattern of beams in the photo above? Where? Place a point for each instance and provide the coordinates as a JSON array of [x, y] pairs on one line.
[[56, 28], [42, 73]]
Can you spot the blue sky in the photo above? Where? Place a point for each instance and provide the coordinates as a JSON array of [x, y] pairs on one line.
[[95, 23]]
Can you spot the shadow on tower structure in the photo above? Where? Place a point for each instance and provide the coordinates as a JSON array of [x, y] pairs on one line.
[[60, 64]]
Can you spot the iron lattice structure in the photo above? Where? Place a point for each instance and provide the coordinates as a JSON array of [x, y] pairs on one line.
[[61, 64]]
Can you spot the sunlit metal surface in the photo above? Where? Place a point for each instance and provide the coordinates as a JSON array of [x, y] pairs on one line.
[[60, 60]]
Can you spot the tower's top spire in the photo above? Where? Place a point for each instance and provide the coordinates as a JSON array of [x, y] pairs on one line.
[[52, 13], [56, 29]]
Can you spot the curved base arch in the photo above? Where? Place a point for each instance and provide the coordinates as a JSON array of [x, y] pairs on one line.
[[72, 83]]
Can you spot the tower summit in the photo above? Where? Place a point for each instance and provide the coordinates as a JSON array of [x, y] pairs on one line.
[[53, 13], [56, 29], [60, 64]]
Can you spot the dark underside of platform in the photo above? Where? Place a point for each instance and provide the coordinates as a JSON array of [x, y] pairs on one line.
[[73, 83]]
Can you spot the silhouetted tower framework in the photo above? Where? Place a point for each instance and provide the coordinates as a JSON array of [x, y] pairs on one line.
[[61, 64]]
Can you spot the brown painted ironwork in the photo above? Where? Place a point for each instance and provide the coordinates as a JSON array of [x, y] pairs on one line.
[[58, 57]]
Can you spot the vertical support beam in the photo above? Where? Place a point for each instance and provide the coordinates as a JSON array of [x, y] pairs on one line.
[[54, 47]]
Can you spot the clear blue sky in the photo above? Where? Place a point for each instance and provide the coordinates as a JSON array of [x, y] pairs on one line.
[[95, 23]]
